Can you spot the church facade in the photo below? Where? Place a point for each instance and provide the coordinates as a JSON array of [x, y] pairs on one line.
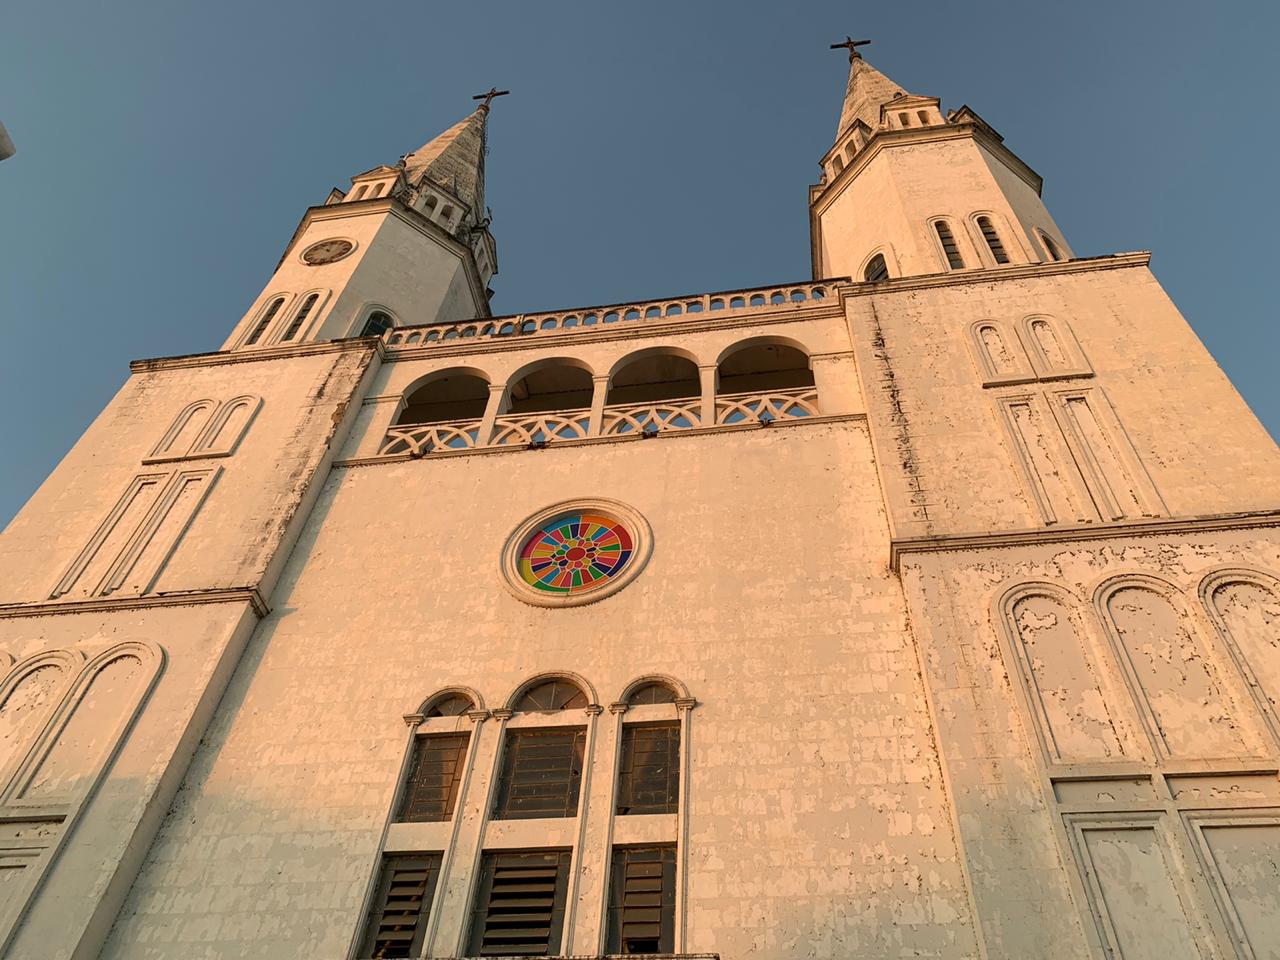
[[926, 607]]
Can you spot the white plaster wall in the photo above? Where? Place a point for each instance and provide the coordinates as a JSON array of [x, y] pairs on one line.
[[891, 201], [78, 900], [416, 274], [1029, 893], [234, 535], [1027, 206], [818, 825], [1203, 448]]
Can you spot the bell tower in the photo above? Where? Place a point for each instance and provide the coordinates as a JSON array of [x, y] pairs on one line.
[[408, 243], [907, 190]]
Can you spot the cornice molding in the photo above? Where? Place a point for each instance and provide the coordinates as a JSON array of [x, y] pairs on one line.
[[346, 345], [905, 546], [986, 275], [178, 598]]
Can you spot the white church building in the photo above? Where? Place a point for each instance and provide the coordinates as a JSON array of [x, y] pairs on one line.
[[924, 607]]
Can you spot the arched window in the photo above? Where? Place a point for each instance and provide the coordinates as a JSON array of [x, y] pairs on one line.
[[380, 189], [359, 191], [265, 322], [449, 705], [551, 696], [655, 692], [949, 247], [992, 238], [379, 322], [1050, 247], [877, 270], [300, 317]]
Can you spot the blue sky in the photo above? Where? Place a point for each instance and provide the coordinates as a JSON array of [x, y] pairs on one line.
[[168, 149]]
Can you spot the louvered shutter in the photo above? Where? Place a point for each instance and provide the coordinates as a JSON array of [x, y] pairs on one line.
[[398, 921], [541, 773], [435, 775], [649, 771], [642, 900], [520, 902]]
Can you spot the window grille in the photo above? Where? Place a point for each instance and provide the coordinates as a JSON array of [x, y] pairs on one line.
[[519, 906], [300, 317], [642, 900], [265, 322], [993, 239], [652, 693], [877, 270], [541, 774], [1050, 247], [450, 705], [954, 260], [550, 696], [649, 771], [397, 923], [377, 324], [435, 774]]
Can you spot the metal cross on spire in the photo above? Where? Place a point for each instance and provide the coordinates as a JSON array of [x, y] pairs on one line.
[[852, 46], [488, 97]]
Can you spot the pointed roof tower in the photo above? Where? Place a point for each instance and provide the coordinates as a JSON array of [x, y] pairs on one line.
[[455, 161], [867, 92]]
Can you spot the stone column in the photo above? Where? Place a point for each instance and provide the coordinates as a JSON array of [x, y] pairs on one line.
[[599, 393], [836, 379], [497, 391], [452, 907], [586, 936], [707, 375], [684, 707]]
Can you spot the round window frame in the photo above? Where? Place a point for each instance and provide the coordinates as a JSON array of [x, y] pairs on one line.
[[632, 519], [302, 254]]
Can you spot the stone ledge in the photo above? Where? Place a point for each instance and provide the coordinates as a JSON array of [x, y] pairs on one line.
[[902, 546], [178, 598]]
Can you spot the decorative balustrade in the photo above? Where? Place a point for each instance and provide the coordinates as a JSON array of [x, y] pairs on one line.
[[778, 405], [541, 428], [793, 295], [652, 417], [621, 420]]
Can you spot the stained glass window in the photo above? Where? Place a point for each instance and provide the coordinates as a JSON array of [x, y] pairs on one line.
[[574, 553]]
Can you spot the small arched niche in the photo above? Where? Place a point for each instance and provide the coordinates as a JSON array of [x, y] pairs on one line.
[[762, 366], [654, 375], [455, 394]]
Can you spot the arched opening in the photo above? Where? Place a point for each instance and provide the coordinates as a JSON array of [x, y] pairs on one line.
[[877, 269], [992, 238], [1050, 247], [379, 322], [763, 367], [261, 327], [557, 386], [454, 395], [654, 376]]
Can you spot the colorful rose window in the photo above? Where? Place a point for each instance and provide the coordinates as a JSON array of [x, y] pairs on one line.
[[575, 553]]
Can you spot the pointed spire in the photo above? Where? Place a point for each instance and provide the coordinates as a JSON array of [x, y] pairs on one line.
[[454, 160], [868, 91]]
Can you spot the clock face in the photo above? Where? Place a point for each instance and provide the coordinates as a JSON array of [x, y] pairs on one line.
[[327, 251]]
